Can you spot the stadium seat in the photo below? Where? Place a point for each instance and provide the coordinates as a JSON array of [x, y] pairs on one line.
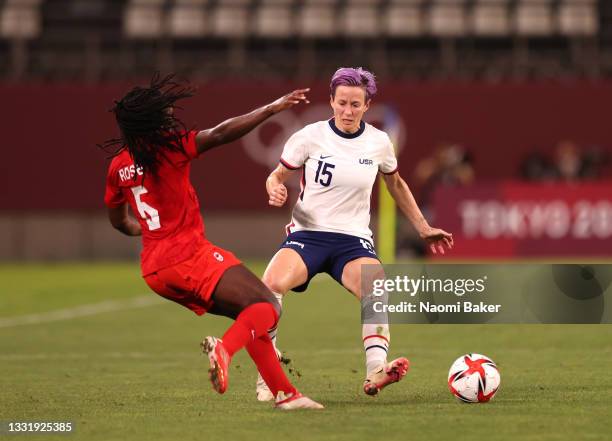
[[144, 19], [360, 18], [447, 18], [534, 18], [187, 19], [578, 18], [317, 19], [490, 18], [274, 19], [20, 19], [230, 19], [403, 18]]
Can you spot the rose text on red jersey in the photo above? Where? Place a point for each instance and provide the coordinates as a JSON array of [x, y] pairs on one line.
[[127, 173]]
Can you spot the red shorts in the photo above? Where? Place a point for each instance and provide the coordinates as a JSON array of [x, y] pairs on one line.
[[192, 282]]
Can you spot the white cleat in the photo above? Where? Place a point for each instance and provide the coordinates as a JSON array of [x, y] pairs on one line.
[[261, 388], [389, 373], [295, 401], [263, 391]]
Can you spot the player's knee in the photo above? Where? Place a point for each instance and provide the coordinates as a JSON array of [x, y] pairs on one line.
[[273, 300], [277, 306], [274, 284], [352, 283], [268, 299], [266, 296]]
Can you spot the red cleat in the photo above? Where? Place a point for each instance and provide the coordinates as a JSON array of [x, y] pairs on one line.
[[219, 363]]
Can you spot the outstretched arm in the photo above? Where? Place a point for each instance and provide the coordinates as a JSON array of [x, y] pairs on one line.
[[121, 220], [236, 127], [275, 186], [435, 237]]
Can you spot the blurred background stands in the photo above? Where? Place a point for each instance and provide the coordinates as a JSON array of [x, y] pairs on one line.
[[107, 39]]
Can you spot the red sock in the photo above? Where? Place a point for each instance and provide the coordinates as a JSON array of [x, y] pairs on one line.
[[253, 322], [263, 354]]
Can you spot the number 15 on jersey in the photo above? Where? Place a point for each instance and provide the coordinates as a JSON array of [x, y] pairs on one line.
[[324, 174]]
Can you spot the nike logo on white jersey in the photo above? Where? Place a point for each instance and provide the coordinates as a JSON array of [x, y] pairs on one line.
[[325, 157]]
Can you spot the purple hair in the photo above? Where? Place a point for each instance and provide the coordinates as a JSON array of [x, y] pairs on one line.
[[349, 76]]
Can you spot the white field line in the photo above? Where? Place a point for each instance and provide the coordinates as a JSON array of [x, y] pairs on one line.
[[81, 311], [87, 310], [158, 356]]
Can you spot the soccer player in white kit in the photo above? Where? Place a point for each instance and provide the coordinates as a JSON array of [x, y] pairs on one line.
[[329, 230]]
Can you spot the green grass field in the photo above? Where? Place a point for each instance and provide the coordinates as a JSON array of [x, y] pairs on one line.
[[135, 371]]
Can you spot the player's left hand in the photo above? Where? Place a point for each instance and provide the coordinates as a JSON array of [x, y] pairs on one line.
[[290, 100], [437, 239]]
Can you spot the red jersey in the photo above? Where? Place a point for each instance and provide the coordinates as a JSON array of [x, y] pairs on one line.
[[165, 205]]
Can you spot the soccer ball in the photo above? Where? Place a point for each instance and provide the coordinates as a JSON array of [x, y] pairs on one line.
[[473, 378]]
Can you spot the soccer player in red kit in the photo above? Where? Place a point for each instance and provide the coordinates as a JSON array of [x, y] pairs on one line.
[[150, 174]]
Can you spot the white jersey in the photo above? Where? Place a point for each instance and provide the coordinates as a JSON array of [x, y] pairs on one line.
[[339, 171]]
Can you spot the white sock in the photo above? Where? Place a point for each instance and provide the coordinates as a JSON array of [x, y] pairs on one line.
[[272, 332], [376, 344]]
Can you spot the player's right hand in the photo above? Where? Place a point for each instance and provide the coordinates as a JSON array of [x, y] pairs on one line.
[[290, 100], [277, 196], [437, 239]]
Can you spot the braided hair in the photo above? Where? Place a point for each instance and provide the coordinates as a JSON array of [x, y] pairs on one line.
[[147, 123]]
